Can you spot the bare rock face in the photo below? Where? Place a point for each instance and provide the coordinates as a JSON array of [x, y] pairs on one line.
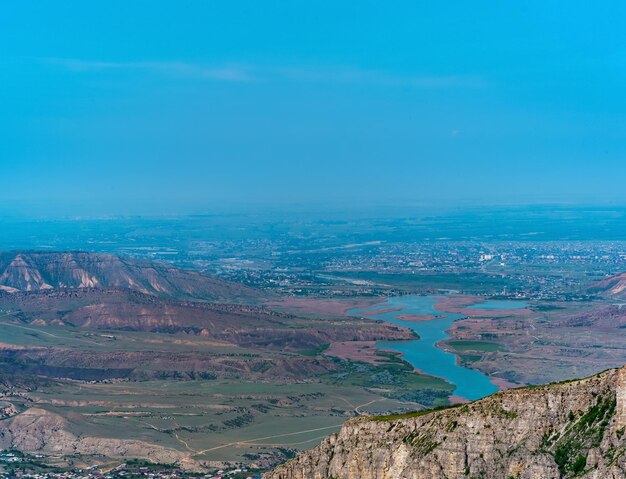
[[620, 393], [573, 429]]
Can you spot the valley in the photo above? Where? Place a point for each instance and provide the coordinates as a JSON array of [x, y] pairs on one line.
[[199, 383], [312, 240], [180, 359]]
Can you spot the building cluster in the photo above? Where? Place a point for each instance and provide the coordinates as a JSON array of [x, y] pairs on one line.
[[546, 270], [15, 465]]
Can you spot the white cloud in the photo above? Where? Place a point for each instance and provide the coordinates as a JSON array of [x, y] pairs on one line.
[[182, 69], [239, 73]]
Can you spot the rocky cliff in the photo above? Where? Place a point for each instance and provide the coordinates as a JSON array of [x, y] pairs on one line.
[[573, 429]]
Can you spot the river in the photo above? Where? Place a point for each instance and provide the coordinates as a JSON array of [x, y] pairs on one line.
[[423, 353]]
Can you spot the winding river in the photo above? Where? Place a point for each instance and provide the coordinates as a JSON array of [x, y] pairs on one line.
[[423, 353]]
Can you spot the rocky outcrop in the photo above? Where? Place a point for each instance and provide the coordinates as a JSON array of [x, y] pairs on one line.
[[40, 431], [573, 429]]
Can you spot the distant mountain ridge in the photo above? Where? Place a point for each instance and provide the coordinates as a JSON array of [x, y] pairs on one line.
[[614, 286], [35, 271]]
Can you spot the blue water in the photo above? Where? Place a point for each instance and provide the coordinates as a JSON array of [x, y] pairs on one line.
[[501, 304], [423, 353]]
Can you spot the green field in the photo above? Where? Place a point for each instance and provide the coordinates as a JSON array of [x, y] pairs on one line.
[[213, 420], [475, 283], [222, 419], [484, 346], [103, 340]]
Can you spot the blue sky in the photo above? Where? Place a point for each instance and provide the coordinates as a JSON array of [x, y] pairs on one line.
[[188, 106]]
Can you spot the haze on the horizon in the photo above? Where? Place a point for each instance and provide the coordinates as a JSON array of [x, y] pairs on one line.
[[167, 106]]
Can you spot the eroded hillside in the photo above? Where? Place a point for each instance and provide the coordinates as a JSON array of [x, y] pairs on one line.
[[612, 286], [34, 271]]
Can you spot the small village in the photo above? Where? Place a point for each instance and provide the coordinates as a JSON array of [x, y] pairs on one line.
[[16, 465]]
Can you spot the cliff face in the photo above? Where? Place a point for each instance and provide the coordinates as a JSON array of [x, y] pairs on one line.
[[573, 429]]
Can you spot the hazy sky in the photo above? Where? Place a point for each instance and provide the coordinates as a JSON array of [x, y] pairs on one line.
[[182, 106]]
